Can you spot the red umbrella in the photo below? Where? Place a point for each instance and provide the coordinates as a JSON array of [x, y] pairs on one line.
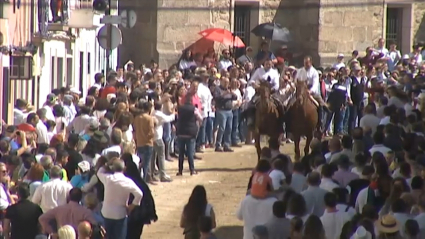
[[223, 36]]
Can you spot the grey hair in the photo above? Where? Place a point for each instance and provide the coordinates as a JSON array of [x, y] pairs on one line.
[[56, 172], [46, 161], [42, 113], [118, 165]]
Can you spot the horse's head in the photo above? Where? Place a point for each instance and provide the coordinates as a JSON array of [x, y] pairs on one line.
[[264, 89], [302, 90]]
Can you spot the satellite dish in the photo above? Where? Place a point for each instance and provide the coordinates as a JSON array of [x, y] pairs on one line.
[[129, 18]]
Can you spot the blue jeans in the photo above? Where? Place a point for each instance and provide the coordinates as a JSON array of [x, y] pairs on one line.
[[224, 120], [186, 147], [166, 136], [336, 115], [200, 139], [116, 228], [345, 119], [145, 154], [209, 130], [339, 125], [356, 113], [243, 130], [235, 126]]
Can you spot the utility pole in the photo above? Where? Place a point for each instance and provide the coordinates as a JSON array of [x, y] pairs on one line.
[[109, 36]]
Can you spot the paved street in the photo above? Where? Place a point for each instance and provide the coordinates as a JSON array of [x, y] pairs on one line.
[[225, 177]]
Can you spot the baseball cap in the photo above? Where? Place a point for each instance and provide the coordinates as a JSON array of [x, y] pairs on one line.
[[94, 124], [340, 55], [11, 129], [51, 97], [84, 166]]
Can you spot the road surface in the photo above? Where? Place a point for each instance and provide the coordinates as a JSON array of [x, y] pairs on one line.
[[225, 177]]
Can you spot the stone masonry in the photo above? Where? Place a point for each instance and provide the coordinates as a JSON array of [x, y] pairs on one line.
[[320, 28]]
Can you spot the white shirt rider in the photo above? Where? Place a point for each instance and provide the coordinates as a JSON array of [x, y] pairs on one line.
[[310, 75], [264, 73]]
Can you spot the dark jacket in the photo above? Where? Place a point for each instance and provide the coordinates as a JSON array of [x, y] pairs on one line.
[[357, 90], [223, 99], [186, 121]]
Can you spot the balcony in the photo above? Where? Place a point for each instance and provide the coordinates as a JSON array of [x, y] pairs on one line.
[[62, 15]]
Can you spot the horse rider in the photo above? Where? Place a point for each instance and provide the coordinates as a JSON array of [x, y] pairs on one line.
[[310, 75], [267, 73]]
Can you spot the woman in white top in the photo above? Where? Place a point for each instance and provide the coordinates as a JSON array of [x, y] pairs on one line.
[[196, 207], [186, 60]]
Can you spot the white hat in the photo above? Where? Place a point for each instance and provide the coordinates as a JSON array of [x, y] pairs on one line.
[[406, 56], [75, 90], [110, 96], [340, 55], [84, 166], [361, 233]]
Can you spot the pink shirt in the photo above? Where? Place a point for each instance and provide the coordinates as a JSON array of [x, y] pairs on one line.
[[195, 101]]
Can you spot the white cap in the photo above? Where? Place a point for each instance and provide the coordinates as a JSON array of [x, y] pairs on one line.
[[110, 96], [406, 56], [340, 55], [361, 233], [84, 166], [75, 90]]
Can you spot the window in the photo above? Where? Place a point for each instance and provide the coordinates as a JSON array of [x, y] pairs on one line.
[[242, 26], [88, 63], [81, 70], [69, 71], [53, 73], [59, 72], [18, 69], [394, 26]]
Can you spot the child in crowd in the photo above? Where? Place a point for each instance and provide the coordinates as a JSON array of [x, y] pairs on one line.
[[261, 183], [277, 175]]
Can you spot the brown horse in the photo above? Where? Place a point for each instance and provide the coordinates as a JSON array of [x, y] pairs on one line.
[[304, 118], [267, 121]]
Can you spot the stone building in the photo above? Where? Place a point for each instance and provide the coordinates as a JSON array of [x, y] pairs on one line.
[[320, 28]]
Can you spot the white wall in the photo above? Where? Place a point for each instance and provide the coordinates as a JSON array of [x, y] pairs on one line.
[[50, 49]]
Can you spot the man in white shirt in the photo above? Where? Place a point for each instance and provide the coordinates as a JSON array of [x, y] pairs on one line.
[[205, 97], [370, 120], [158, 143], [333, 220], [381, 47], [52, 193], [226, 61], [117, 191], [340, 62], [394, 56], [5, 199], [40, 128], [310, 75], [254, 212], [50, 102], [327, 182], [378, 139], [266, 73], [19, 117]]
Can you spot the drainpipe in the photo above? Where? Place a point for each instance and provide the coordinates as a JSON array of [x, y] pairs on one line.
[[384, 14]]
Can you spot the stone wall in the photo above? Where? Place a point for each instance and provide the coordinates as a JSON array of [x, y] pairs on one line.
[[349, 25], [301, 18], [139, 42], [179, 22], [419, 22]]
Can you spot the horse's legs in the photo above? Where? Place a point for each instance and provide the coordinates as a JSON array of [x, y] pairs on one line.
[[307, 143], [297, 139], [257, 138]]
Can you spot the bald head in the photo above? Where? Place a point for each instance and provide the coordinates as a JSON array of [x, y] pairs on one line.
[[84, 229]]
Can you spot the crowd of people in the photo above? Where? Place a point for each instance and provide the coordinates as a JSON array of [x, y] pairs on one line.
[[80, 166]]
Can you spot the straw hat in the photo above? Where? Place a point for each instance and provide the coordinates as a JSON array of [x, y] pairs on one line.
[[387, 224]]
